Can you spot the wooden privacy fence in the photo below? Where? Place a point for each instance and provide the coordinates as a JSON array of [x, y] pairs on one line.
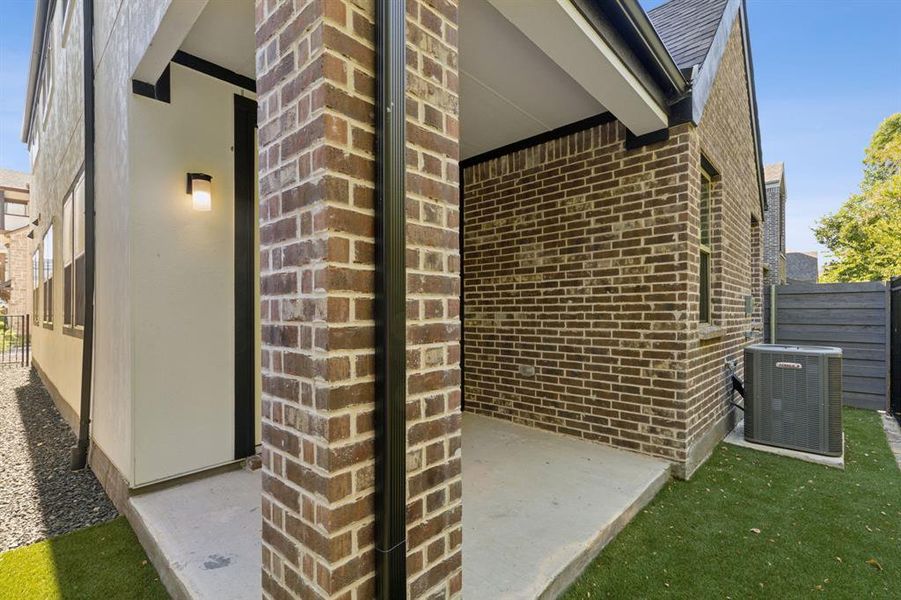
[[852, 316]]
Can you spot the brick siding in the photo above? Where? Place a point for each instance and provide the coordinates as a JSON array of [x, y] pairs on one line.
[[18, 271], [774, 235], [576, 288], [315, 63], [725, 137], [581, 285]]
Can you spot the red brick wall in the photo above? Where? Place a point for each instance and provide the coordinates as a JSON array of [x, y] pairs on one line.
[[315, 63], [576, 288]]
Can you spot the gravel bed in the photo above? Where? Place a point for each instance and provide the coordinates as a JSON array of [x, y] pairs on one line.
[[40, 497]]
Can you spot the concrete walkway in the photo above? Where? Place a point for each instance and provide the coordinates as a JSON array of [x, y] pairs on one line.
[[205, 535], [538, 506]]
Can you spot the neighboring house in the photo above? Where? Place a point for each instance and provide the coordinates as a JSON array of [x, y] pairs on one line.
[[774, 272], [15, 255], [569, 237], [802, 267]]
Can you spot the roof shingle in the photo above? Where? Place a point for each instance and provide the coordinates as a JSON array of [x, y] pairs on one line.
[[687, 28]]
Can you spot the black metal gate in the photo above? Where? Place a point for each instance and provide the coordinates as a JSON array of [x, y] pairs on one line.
[[895, 287], [15, 340]]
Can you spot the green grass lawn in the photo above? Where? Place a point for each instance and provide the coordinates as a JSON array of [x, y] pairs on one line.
[[104, 562], [755, 525]]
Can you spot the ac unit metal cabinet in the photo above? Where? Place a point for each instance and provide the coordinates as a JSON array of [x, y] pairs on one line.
[[793, 397]]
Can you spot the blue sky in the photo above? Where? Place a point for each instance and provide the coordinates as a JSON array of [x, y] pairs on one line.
[[827, 73], [16, 18]]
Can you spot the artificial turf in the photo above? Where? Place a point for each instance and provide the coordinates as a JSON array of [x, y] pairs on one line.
[[103, 562], [755, 525]]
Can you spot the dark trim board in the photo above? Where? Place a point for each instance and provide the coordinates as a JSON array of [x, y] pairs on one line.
[[547, 136], [637, 141], [245, 280], [161, 91], [213, 70]]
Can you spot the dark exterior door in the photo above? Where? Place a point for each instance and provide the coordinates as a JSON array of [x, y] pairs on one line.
[[245, 276]]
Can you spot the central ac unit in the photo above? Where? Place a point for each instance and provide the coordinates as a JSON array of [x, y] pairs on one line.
[[793, 397]]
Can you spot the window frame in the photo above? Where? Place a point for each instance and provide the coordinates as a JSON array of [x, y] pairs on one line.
[[36, 282], [72, 229], [705, 250], [68, 262], [47, 82], [47, 277]]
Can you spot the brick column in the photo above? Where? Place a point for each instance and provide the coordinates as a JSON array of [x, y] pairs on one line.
[[315, 76]]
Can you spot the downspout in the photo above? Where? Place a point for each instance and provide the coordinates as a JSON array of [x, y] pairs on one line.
[[390, 303], [80, 452]]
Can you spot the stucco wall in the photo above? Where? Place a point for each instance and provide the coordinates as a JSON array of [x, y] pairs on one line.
[[122, 32], [57, 164], [182, 278]]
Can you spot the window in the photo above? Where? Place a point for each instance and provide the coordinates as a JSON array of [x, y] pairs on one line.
[[47, 84], [65, 10], [35, 284], [78, 252], [48, 275], [73, 256], [706, 194], [67, 261], [34, 146]]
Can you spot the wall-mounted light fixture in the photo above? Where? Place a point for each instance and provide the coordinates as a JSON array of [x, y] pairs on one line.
[[201, 190]]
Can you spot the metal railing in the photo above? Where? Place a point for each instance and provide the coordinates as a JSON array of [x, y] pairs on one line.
[[15, 340]]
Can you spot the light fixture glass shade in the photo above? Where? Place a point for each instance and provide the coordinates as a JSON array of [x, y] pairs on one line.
[[202, 193]]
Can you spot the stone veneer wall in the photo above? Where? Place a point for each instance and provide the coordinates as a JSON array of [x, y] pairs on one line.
[[315, 64]]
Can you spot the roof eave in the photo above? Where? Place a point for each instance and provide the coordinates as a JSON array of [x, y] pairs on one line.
[[41, 9], [636, 18]]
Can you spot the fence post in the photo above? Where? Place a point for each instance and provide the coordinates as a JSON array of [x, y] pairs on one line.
[[773, 313], [888, 346]]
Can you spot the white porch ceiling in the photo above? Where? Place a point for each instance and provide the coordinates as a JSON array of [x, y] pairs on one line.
[[224, 35], [509, 88]]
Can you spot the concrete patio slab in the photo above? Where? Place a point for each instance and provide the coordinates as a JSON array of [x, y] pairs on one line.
[[204, 535], [539, 506], [736, 437]]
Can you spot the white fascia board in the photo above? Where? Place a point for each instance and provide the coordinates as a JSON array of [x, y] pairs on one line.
[[566, 37], [174, 27]]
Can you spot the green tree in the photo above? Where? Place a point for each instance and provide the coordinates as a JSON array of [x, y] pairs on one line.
[[864, 235]]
